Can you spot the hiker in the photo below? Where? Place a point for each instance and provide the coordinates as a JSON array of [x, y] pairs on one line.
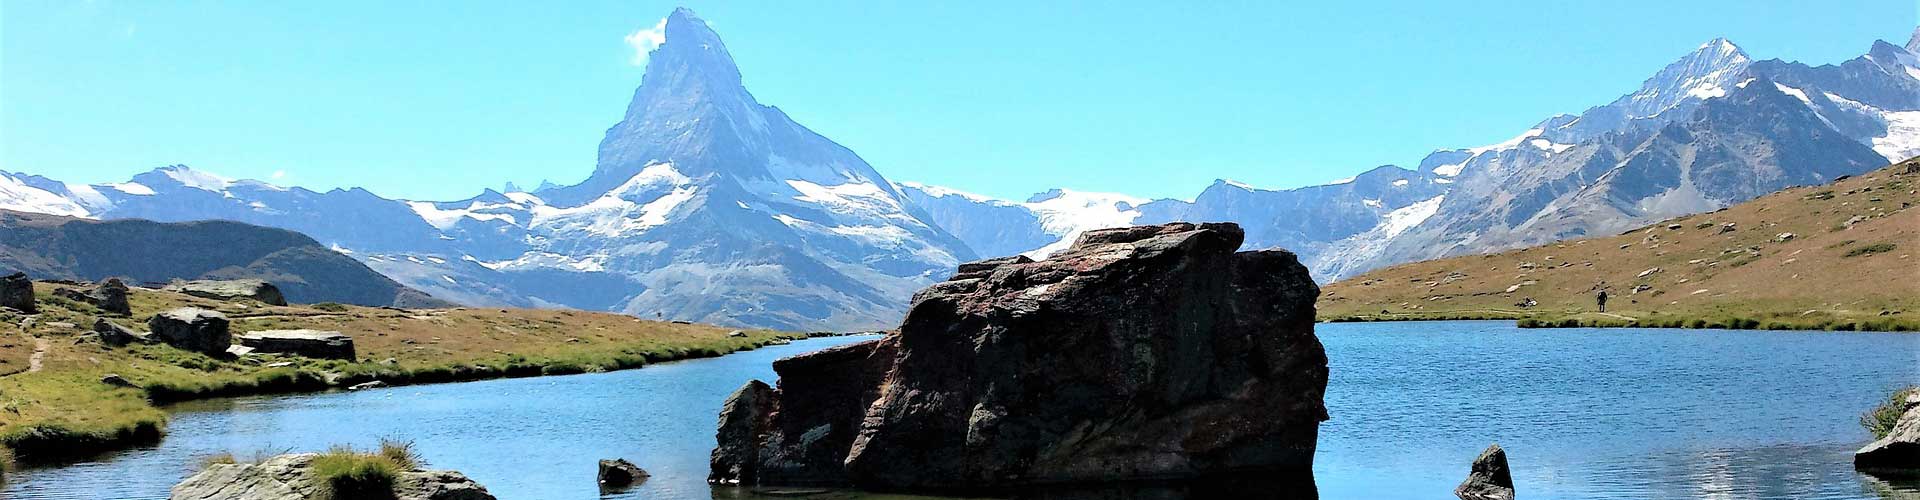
[[1602, 299]]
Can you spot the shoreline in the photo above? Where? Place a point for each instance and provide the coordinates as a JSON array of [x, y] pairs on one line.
[[1588, 320], [54, 443]]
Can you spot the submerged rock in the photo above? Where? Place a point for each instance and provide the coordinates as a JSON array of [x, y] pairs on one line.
[[230, 290], [1490, 479], [1143, 353], [16, 292], [619, 473], [290, 477], [308, 343], [193, 329], [1897, 454]]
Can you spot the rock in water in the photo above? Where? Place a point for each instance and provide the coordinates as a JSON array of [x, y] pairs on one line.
[[290, 477], [231, 289], [1897, 454], [193, 329], [309, 343], [1490, 478], [742, 420], [16, 292], [619, 473], [1142, 353]]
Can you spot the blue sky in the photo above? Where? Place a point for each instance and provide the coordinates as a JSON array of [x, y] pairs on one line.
[[438, 99]]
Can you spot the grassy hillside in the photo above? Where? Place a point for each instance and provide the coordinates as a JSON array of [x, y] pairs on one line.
[[1847, 264], [53, 402], [56, 247]]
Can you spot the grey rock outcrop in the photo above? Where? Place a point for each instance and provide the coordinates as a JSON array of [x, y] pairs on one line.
[[1490, 478], [1150, 352], [619, 473], [16, 292], [1897, 454], [290, 477], [109, 296], [309, 343], [193, 329], [115, 335], [259, 290]]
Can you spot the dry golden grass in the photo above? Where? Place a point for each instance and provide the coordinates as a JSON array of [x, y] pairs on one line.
[[65, 409], [1686, 271]]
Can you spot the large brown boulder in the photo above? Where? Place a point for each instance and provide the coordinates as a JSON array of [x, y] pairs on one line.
[[193, 329], [16, 292], [1145, 353]]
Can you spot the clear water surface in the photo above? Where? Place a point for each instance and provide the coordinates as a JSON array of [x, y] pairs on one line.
[[1583, 414]]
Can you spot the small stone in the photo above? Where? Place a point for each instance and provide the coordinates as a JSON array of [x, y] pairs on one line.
[[737, 334], [367, 385], [114, 379]]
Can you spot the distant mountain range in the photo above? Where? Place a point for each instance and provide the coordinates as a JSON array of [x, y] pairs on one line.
[[706, 205], [61, 247], [1711, 129]]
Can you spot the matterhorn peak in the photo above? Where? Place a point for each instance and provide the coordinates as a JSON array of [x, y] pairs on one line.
[[1913, 42], [692, 53]]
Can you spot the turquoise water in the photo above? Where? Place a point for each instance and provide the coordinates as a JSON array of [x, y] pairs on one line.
[[1583, 413]]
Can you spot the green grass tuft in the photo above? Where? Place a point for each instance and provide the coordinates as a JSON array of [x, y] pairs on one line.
[[1871, 249], [350, 474], [1881, 419]]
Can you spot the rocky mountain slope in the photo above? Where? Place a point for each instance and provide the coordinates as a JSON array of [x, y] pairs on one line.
[[60, 247], [1837, 255]]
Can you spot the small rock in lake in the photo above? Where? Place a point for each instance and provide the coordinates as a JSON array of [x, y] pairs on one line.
[[619, 473], [367, 385], [1490, 478]]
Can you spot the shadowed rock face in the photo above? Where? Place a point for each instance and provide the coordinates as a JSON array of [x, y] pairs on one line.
[[1144, 353], [16, 292]]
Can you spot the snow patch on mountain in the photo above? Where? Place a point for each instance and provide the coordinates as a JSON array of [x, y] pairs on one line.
[[133, 188], [1903, 136], [197, 179], [1068, 213], [17, 195]]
